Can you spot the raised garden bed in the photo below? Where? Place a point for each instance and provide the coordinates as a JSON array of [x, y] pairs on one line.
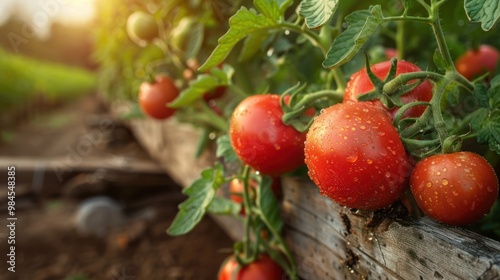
[[333, 242]]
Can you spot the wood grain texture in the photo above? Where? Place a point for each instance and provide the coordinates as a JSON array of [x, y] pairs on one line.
[[333, 242]]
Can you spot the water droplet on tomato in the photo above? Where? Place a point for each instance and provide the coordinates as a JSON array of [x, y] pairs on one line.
[[445, 169], [490, 188], [467, 170], [352, 158], [369, 161], [362, 127], [444, 182], [387, 174], [428, 184], [381, 133], [473, 206]]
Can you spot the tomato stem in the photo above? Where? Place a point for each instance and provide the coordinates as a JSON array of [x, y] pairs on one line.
[[248, 211]]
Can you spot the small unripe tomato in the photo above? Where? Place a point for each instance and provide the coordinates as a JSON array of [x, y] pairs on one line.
[[142, 26]]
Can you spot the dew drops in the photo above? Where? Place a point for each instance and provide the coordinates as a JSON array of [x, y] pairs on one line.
[[356, 179], [428, 184], [362, 127], [473, 206], [438, 173], [489, 188], [352, 158], [445, 169], [381, 133], [444, 182], [369, 161], [387, 174], [467, 170]]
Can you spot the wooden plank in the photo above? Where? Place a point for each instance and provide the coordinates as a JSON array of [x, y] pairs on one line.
[[173, 145], [413, 249], [62, 165]]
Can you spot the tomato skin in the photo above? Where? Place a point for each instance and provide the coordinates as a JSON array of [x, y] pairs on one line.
[[456, 189], [355, 156], [474, 63], [142, 26], [154, 97], [261, 139], [264, 268], [360, 84]]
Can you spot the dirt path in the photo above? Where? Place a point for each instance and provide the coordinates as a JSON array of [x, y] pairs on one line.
[[49, 247]]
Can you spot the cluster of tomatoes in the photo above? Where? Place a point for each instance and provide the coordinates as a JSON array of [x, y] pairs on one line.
[[353, 152], [355, 155]]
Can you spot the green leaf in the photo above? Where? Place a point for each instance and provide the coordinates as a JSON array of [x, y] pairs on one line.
[[481, 95], [495, 82], [203, 84], [252, 44], [195, 40], [439, 61], [494, 96], [268, 204], [284, 4], [242, 24], [268, 8], [225, 150], [201, 194], [362, 24], [224, 206], [490, 133], [407, 4], [317, 12], [485, 11], [478, 118]]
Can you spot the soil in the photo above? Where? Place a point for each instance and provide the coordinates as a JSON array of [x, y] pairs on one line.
[[48, 245]]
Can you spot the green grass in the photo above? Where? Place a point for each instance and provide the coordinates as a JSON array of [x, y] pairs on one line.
[[22, 79]]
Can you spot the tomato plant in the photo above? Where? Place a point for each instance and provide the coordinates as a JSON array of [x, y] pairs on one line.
[[360, 84], [477, 62], [263, 268], [358, 153], [355, 156], [153, 97], [457, 188], [261, 139], [142, 26]]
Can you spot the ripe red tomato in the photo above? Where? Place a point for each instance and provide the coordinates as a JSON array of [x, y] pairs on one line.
[[142, 26], [264, 268], [390, 53], [355, 156], [153, 98], [457, 188], [236, 189], [360, 84], [474, 63], [262, 140]]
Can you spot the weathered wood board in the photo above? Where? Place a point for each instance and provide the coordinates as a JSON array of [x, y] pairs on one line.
[[331, 242]]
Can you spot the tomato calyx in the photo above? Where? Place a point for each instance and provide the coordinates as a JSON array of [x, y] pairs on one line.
[[390, 96], [299, 110]]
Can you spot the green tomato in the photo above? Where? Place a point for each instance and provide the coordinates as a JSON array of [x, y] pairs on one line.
[[142, 26]]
